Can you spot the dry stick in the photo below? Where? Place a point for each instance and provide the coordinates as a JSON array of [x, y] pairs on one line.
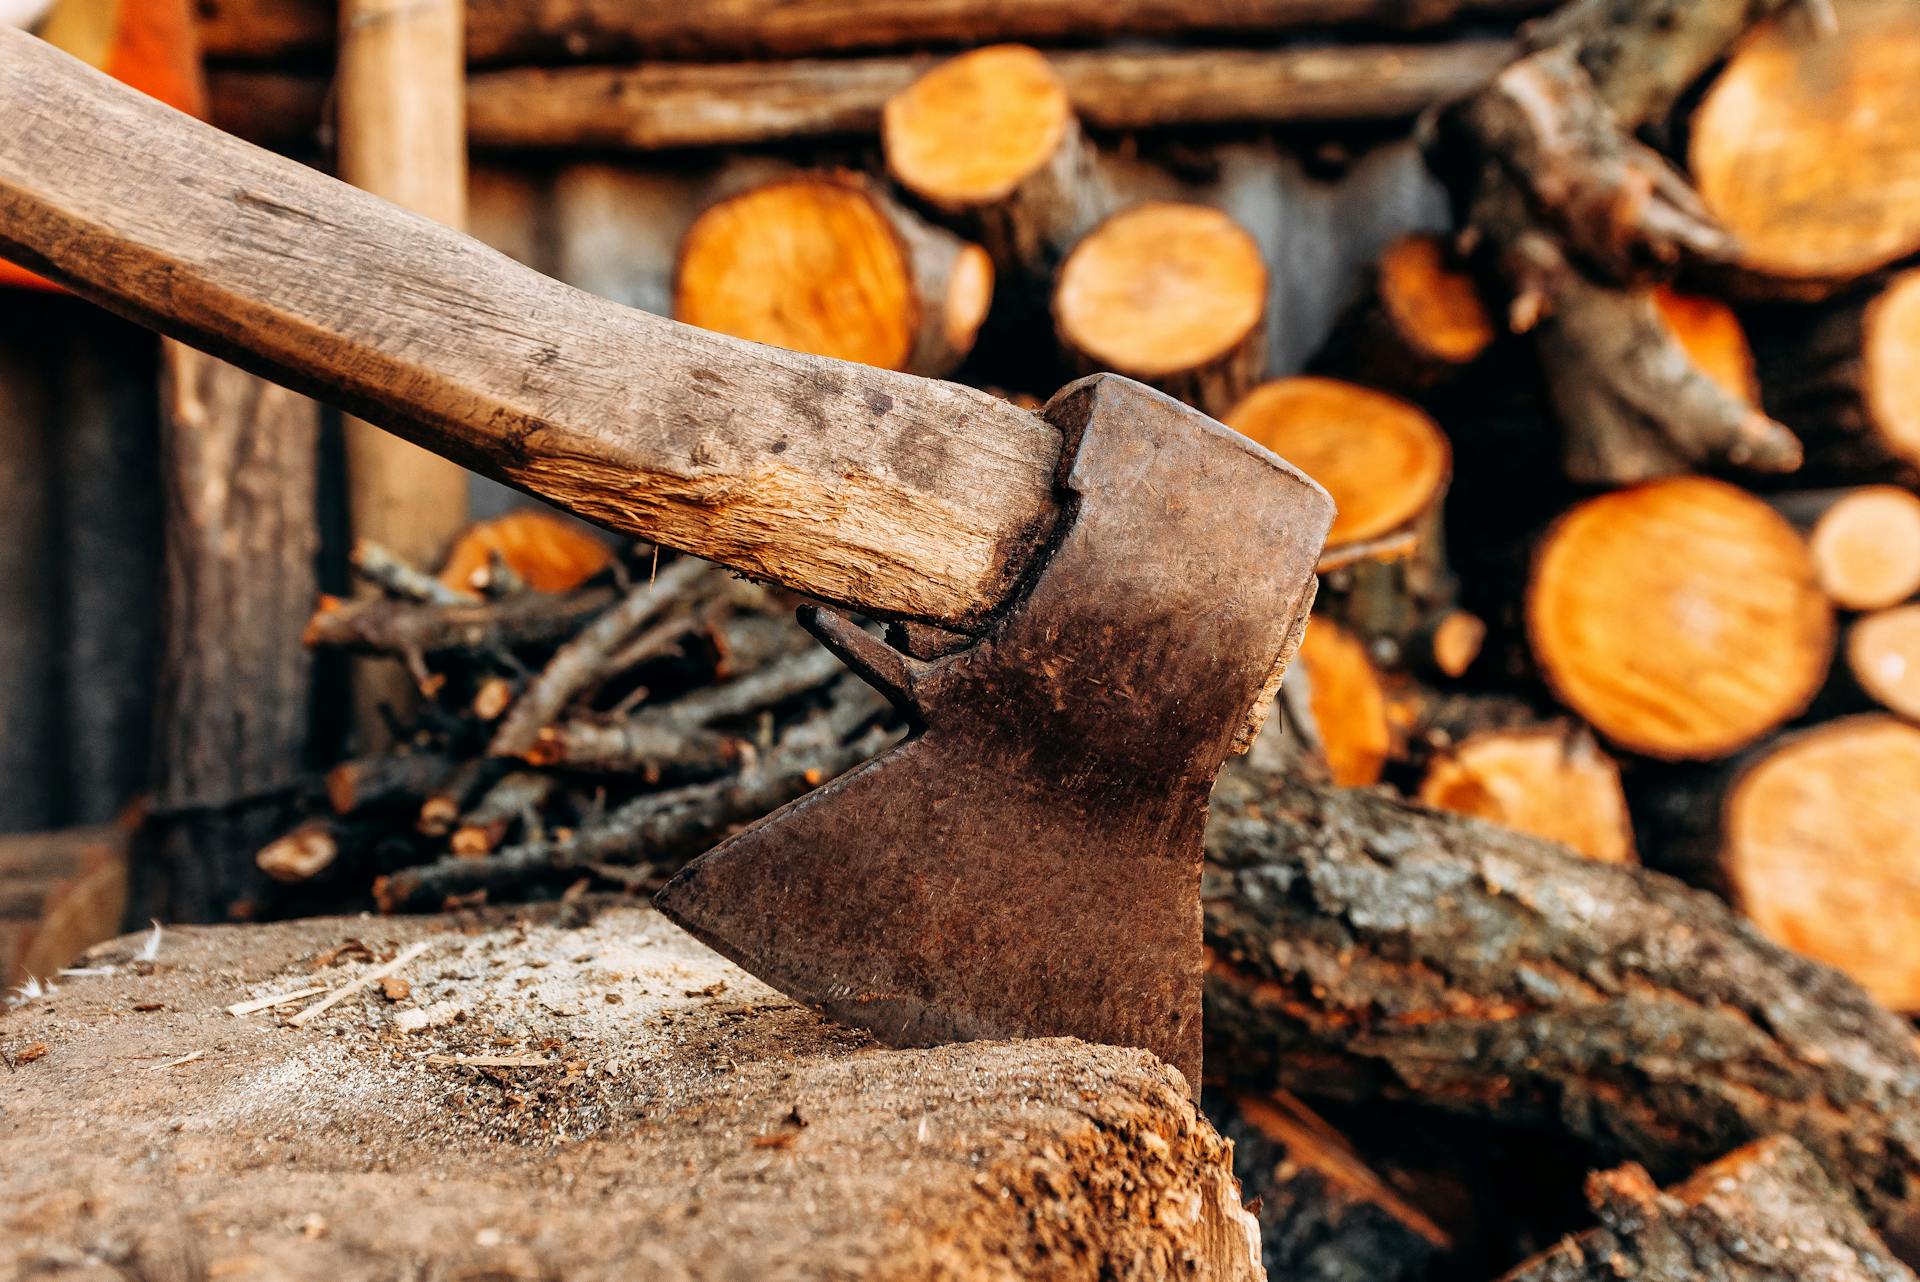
[[392, 778], [373, 976], [1366, 948], [607, 30], [515, 797], [275, 999], [582, 660], [398, 577], [661, 106], [403, 627], [1762, 1213]]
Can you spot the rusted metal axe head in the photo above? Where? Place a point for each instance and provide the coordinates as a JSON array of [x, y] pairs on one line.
[[1028, 865]]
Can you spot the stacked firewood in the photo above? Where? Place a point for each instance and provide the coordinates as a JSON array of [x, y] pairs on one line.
[[581, 716]]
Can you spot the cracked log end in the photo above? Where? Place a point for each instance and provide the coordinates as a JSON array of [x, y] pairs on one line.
[[639, 1108], [973, 129], [1682, 619], [1822, 834], [1171, 294], [1807, 147]]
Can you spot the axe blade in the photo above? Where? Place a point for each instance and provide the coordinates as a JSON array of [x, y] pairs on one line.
[[1029, 864]]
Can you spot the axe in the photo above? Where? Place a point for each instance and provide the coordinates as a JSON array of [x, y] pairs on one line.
[[1093, 605]]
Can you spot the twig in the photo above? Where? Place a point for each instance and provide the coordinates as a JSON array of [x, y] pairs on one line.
[[188, 1058], [371, 977], [387, 571], [277, 999], [491, 1061]]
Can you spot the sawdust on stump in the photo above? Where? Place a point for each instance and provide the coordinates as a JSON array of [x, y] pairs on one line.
[[586, 1094]]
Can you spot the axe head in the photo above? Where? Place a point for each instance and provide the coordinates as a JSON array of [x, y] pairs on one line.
[[1028, 864]]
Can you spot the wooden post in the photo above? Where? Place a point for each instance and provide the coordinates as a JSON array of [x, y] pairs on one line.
[[402, 136]]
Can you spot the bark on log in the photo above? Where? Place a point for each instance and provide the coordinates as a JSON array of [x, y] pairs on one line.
[[1364, 948], [1323, 1214], [1842, 374], [1807, 146], [606, 30], [1761, 1213], [107, 453], [661, 106], [30, 736], [1681, 619], [725, 1131], [1865, 542], [1172, 294], [826, 263], [239, 467]]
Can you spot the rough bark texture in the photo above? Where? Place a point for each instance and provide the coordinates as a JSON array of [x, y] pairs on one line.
[[649, 1111], [239, 471], [1365, 948], [602, 30], [1766, 1213]]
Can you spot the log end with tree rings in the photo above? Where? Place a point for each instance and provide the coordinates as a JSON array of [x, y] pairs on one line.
[[1550, 781], [1169, 293], [822, 263], [1890, 364], [1431, 302], [1713, 338], [1385, 463], [1682, 619], [1347, 699], [974, 128], [1822, 839], [1866, 547], [1807, 146], [1883, 653]]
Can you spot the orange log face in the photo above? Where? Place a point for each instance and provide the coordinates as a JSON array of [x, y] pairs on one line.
[[1348, 702], [1543, 781], [974, 128], [1682, 619]]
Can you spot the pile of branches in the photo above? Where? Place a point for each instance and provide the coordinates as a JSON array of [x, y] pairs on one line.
[[603, 734]]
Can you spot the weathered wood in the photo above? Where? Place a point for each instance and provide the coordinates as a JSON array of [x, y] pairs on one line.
[[1323, 1214], [852, 484], [651, 1112], [1365, 948], [1762, 1213], [239, 471], [606, 30]]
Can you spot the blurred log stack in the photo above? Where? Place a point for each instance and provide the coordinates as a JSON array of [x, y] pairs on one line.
[[1613, 368]]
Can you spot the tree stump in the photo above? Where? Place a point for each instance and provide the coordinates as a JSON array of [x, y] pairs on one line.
[[585, 1094]]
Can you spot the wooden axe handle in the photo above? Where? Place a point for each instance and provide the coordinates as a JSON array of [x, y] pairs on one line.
[[878, 490]]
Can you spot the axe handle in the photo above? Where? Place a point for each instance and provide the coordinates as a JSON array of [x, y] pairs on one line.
[[878, 490]]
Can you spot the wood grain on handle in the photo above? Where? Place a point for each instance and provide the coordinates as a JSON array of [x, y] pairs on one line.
[[874, 489]]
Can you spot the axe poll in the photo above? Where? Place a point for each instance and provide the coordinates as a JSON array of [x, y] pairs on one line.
[[1115, 585]]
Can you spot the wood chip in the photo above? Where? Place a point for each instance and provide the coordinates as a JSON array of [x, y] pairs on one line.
[[371, 977], [277, 999], [36, 1051], [491, 1061], [188, 1058], [395, 989]]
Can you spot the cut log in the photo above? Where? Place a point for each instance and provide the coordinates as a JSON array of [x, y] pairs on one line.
[[1364, 948], [1323, 1213], [547, 552], [1820, 842], [1172, 294], [60, 893], [824, 263], [1762, 1213], [1420, 321], [603, 30], [1681, 619], [990, 138], [1847, 375], [1347, 701], [1387, 465], [1883, 654], [580, 1092], [1807, 146], [1551, 781], [240, 469], [1865, 542]]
